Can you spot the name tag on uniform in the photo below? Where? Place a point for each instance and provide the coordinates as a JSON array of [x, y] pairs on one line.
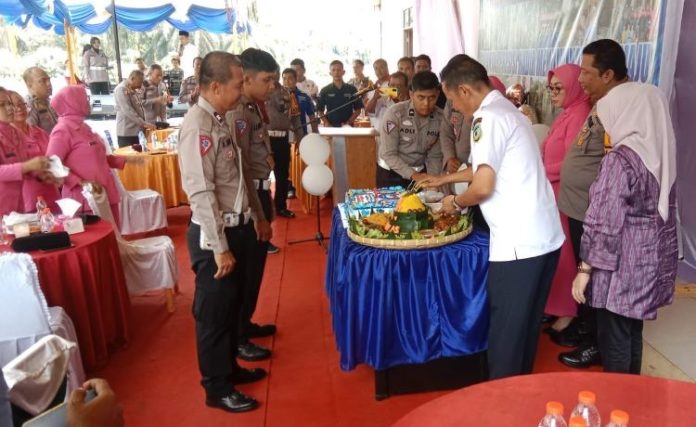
[[330, 95]]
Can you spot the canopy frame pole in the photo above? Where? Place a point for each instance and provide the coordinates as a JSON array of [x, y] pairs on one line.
[[117, 43]]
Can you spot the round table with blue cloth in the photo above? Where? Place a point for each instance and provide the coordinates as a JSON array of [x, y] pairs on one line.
[[394, 307]]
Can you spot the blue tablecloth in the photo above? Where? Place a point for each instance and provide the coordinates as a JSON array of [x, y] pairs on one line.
[[393, 307]]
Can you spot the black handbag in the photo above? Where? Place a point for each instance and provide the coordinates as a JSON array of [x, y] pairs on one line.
[[42, 241]]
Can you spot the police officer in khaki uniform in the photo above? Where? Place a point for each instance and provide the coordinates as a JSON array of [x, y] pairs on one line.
[[455, 141], [409, 139], [283, 123], [155, 96], [95, 66], [249, 128], [41, 113], [223, 232]]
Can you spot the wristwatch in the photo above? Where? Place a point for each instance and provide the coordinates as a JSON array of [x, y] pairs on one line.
[[582, 269]]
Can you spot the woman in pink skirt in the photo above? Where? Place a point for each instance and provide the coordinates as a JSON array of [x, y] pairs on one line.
[[567, 94]]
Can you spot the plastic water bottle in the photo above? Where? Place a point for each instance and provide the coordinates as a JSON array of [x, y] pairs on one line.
[[577, 422], [40, 206], [46, 221], [142, 140], [554, 415], [587, 410], [618, 418]]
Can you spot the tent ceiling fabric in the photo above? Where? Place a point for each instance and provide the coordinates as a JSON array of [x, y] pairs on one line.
[[47, 14]]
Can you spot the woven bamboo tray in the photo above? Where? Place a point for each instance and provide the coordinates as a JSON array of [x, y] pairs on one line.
[[406, 244]]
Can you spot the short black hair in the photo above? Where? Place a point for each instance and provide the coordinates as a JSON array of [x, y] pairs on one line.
[[216, 67], [336, 62], [136, 74], [400, 75], [424, 57], [154, 67], [406, 59], [359, 61], [198, 58], [464, 69], [297, 61], [94, 39], [608, 55], [139, 59], [290, 71], [255, 60], [425, 80]]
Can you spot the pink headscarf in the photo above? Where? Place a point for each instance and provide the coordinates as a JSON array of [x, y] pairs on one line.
[[497, 84], [71, 104], [564, 130]]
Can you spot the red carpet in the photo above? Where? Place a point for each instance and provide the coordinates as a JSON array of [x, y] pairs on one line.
[[156, 377]]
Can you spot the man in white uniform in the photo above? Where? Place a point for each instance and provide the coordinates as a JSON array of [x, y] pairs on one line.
[[187, 52], [508, 182]]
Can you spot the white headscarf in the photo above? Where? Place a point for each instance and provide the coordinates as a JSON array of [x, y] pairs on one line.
[[637, 115]]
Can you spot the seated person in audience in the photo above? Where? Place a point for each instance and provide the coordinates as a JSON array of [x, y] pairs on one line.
[[189, 87], [518, 96], [35, 142], [409, 135], [379, 102], [155, 96], [82, 150], [406, 66], [337, 102], [15, 163], [102, 411], [39, 100]]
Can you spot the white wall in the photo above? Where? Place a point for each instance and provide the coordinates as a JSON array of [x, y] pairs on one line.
[[392, 45]]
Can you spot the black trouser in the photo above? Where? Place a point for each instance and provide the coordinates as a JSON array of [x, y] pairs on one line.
[[517, 292], [586, 313], [281, 157], [389, 178], [99, 88], [620, 342], [216, 306], [127, 141], [256, 269]]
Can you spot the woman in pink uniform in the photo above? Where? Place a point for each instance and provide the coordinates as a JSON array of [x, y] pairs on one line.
[[567, 94], [35, 142], [15, 162], [82, 150]]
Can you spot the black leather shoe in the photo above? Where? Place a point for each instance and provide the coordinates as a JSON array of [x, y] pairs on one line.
[[286, 213], [582, 357], [246, 376], [252, 352], [567, 337], [259, 331], [233, 402]]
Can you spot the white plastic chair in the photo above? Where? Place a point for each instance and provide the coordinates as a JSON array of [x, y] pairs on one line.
[[149, 264], [25, 317], [140, 210], [540, 131]]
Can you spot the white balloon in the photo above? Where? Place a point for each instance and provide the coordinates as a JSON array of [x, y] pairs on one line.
[[314, 150], [460, 187], [317, 179]]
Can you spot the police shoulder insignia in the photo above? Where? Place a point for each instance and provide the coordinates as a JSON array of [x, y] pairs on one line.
[[241, 126], [205, 143], [390, 126], [476, 129]]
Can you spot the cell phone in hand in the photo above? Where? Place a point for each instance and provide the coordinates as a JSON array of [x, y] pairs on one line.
[[56, 416]]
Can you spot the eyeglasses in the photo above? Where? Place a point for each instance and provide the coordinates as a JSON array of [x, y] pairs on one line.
[[554, 89]]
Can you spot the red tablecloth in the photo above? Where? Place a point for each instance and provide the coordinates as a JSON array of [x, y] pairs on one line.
[[87, 281], [520, 401]]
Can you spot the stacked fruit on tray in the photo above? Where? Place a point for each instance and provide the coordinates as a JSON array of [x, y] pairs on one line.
[[411, 219]]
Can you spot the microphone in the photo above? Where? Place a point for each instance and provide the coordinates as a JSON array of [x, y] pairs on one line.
[[362, 92]]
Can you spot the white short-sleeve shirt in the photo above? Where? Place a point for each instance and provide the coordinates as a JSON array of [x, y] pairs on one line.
[[522, 212]]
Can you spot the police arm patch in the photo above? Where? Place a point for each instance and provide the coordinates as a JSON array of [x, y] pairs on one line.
[[241, 126], [390, 126], [205, 143], [476, 132]]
